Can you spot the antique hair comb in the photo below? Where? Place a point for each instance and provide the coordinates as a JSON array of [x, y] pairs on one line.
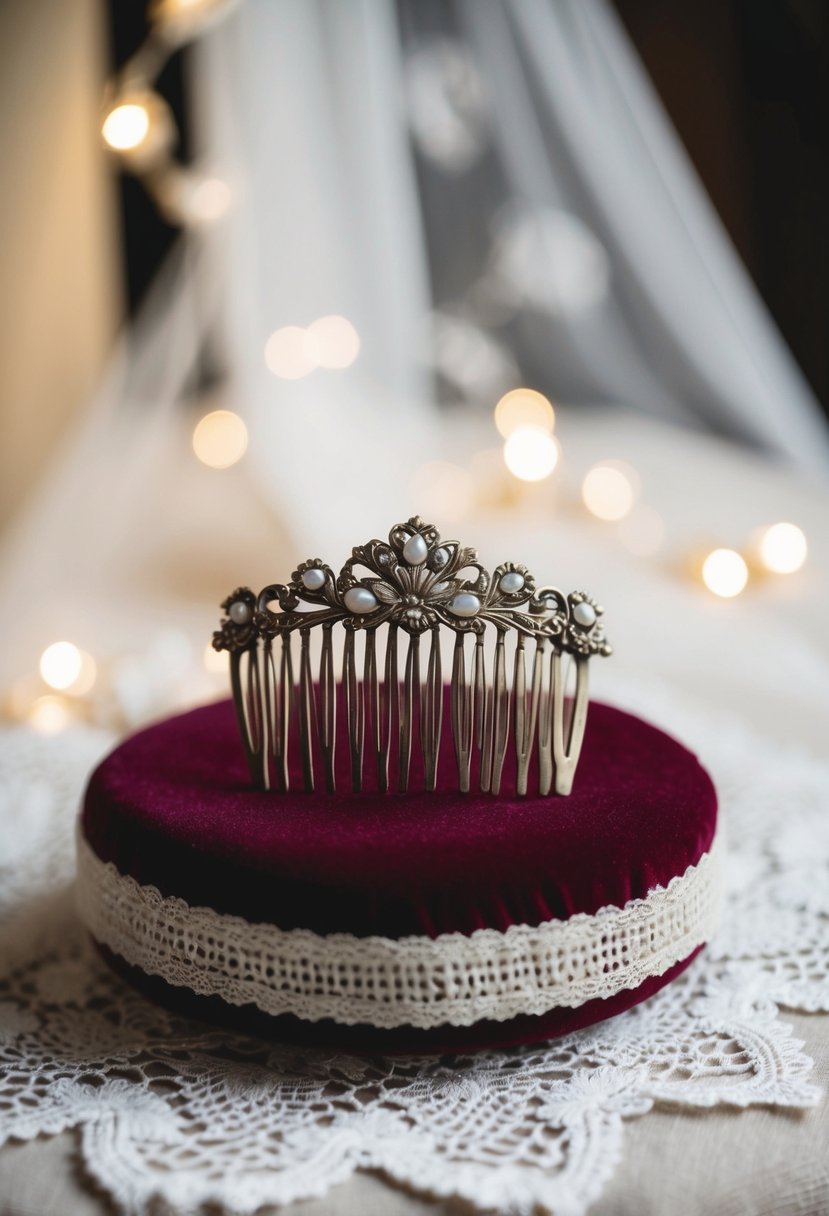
[[414, 585]]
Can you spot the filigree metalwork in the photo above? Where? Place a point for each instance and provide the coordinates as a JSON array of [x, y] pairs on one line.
[[413, 584]]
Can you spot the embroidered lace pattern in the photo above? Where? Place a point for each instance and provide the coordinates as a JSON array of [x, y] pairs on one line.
[[172, 1115], [417, 981]]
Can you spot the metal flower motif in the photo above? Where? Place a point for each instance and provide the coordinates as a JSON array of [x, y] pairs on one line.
[[238, 628]]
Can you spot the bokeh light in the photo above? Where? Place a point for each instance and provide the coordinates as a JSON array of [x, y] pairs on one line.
[[642, 532], [290, 352], [443, 490], [49, 715], [207, 200], [126, 126], [610, 489], [220, 439], [523, 407], [531, 453], [60, 664], [783, 548], [334, 341], [725, 572]]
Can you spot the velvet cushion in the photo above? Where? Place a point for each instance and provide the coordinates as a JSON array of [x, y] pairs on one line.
[[173, 807]]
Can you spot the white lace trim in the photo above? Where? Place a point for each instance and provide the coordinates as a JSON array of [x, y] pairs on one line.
[[416, 981]]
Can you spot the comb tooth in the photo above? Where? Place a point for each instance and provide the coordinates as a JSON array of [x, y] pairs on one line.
[[306, 708], [286, 697], [267, 710], [545, 720], [371, 691], [431, 712], [239, 702], [353, 711], [525, 722], [411, 689], [568, 727], [461, 701], [390, 695], [328, 708], [500, 714]]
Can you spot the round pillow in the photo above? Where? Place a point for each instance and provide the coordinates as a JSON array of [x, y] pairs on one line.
[[389, 922]]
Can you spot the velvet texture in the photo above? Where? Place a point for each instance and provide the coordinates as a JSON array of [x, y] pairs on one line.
[[173, 807]]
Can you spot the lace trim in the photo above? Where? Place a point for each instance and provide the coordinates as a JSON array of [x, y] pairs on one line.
[[416, 981]]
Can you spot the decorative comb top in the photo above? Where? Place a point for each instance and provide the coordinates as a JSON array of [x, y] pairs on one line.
[[416, 583]]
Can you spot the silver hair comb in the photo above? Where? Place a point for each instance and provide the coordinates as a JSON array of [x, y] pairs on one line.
[[414, 585]]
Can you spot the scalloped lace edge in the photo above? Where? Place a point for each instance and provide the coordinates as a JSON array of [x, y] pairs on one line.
[[417, 981]]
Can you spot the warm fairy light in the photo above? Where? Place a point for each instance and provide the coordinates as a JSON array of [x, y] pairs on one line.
[[334, 341], [523, 407], [67, 668], [531, 453], [290, 352], [445, 489], [215, 661], [609, 490], [783, 548], [126, 126], [642, 532], [48, 715], [61, 664], [208, 200], [725, 572], [220, 439]]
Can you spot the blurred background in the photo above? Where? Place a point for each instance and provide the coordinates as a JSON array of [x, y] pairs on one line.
[[552, 273]]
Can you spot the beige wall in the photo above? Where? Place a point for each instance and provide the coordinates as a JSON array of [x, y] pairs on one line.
[[59, 294]]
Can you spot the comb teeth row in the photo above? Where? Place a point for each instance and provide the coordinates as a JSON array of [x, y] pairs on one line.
[[508, 710], [394, 727]]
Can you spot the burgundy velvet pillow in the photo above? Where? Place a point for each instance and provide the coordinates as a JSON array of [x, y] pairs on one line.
[[172, 809]]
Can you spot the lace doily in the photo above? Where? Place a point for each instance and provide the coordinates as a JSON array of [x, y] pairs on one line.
[[169, 1111]]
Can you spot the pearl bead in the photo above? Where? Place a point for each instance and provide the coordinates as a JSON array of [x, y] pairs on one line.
[[465, 604], [415, 550], [511, 581], [440, 558], [313, 579], [584, 614], [360, 599], [240, 612]]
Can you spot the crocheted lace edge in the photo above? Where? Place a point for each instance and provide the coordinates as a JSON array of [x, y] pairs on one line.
[[454, 979]]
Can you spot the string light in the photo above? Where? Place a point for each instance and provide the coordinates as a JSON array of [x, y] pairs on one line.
[[220, 439], [334, 341], [610, 489], [523, 407], [445, 489], [67, 668], [290, 353], [642, 532], [126, 126], [205, 201], [49, 715], [783, 548], [531, 453], [725, 572]]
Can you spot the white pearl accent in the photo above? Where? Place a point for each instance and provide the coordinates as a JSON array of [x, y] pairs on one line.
[[438, 587], [584, 614], [360, 599], [415, 550], [465, 604], [313, 579], [240, 612], [511, 581]]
